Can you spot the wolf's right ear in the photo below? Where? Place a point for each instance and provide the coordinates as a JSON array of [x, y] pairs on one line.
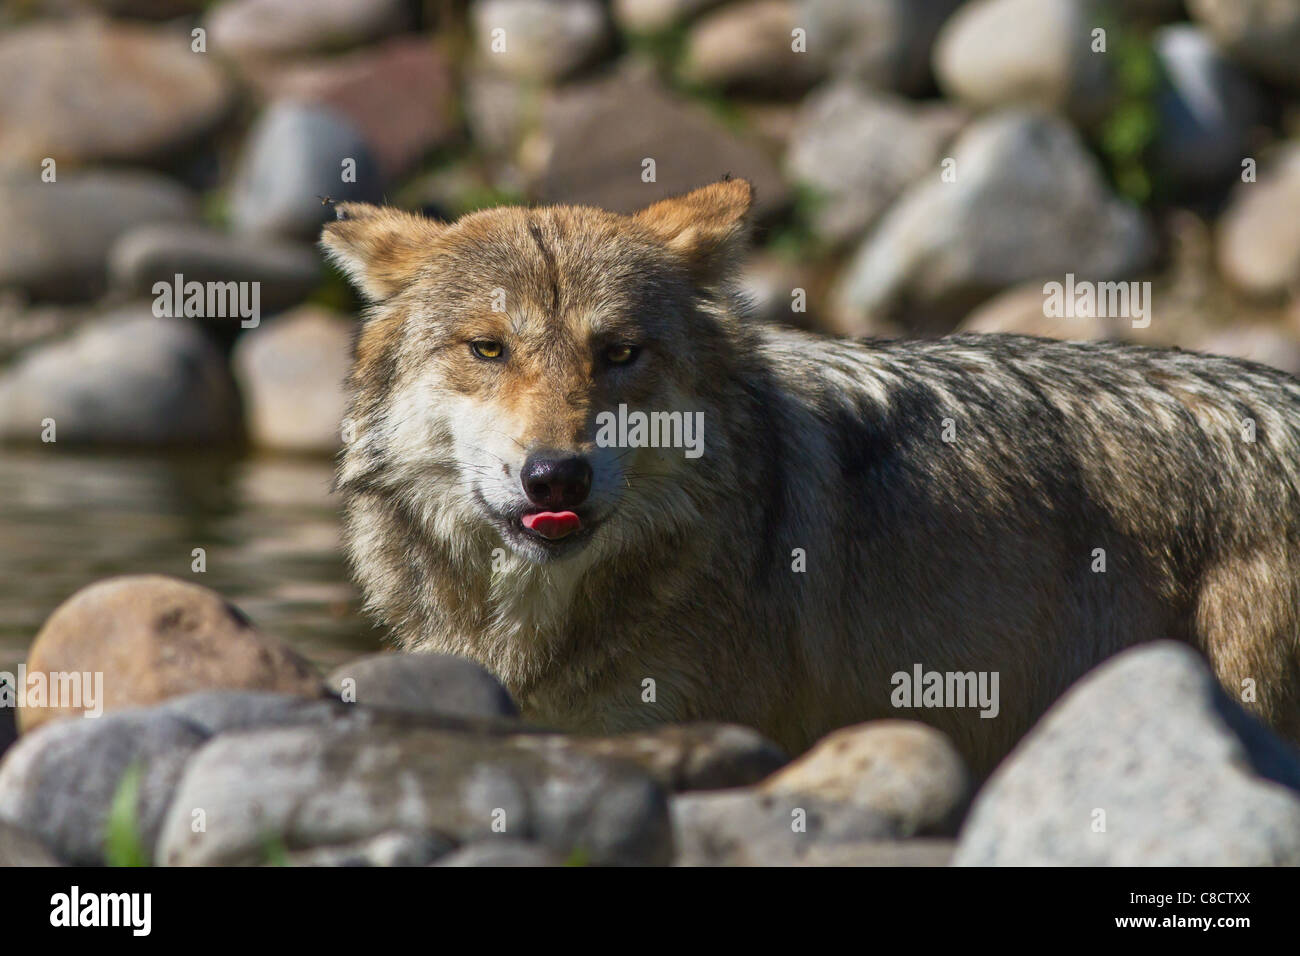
[[380, 249], [708, 227]]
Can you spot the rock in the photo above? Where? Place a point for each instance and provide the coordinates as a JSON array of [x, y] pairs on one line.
[[396, 848], [308, 787], [59, 781], [750, 828], [1263, 35], [291, 372], [679, 756], [1022, 311], [285, 273], [884, 43], [747, 47], [127, 378], [596, 147], [1256, 343], [264, 29], [910, 773], [856, 150], [153, 638], [1028, 201], [295, 155], [994, 53], [501, 851], [85, 91], [20, 848], [59, 233], [400, 130], [1259, 231], [656, 16], [1148, 746], [1206, 107], [423, 684], [539, 40]]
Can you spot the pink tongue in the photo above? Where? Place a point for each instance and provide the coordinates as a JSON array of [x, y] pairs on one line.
[[552, 524]]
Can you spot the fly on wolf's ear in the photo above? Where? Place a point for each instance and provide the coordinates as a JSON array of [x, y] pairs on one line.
[[708, 227], [379, 249]]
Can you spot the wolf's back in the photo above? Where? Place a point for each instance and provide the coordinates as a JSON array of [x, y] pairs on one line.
[[1028, 506]]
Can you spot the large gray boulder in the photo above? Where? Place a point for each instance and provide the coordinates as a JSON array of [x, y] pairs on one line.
[[1144, 762]]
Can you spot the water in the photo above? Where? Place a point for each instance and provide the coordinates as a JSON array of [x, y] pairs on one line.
[[270, 527]]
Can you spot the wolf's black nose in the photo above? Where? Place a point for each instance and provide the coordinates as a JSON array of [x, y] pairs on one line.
[[555, 481]]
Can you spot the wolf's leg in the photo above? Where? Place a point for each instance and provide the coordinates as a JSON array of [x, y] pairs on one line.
[[1248, 621]]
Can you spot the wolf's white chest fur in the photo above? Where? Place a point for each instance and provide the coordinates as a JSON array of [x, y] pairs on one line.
[[532, 601]]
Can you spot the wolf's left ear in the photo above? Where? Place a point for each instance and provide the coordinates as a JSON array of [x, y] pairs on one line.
[[708, 227], [379, 248]]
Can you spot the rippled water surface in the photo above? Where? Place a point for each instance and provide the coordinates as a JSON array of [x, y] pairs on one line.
[[270, 527]]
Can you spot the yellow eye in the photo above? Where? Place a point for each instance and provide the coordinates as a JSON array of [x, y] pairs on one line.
[[485, 348], [620, 354]]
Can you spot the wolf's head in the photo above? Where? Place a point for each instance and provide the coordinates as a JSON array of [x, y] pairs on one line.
[[505, 356]]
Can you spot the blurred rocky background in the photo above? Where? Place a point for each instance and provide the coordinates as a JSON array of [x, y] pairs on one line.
[[922, 166]]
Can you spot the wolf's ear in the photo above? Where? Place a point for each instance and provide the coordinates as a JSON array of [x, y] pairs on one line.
[[708, 227], [379, 248]]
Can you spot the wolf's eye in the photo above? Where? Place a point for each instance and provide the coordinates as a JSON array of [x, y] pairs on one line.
[[620, 354], [486, 348]]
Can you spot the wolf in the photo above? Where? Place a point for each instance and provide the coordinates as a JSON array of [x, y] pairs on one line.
[[975, 505]]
